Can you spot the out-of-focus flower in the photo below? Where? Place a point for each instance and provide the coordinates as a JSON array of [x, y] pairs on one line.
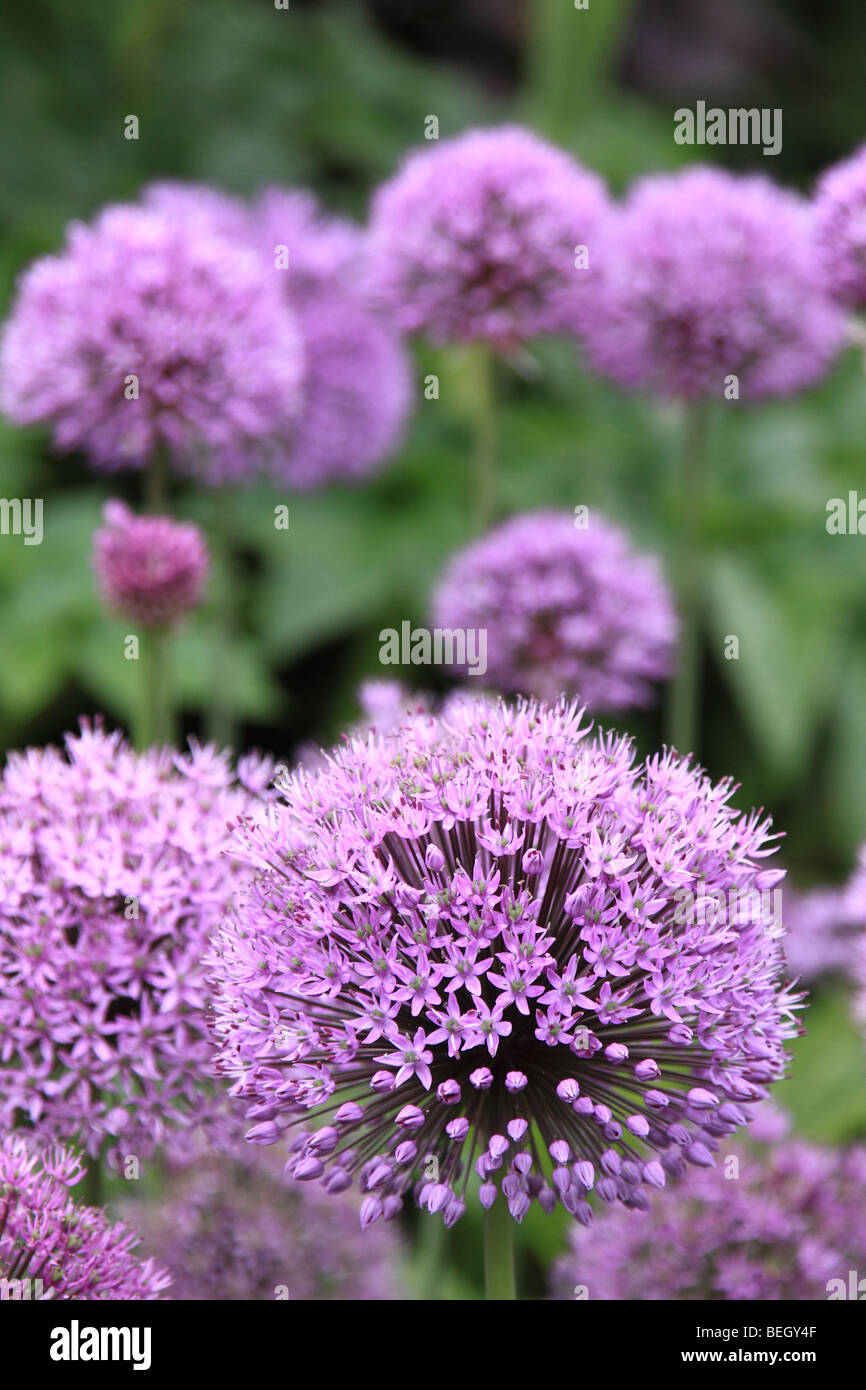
[[51, 1247], [464, 944], [565, 610], [239, 1231], [150, 569], [357, 383], [840, 229], [480, 237], [114, 869], [821, 930], [153, 332], [782, 1222], [706, 275]]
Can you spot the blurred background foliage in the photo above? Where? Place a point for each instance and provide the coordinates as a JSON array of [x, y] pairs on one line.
[[330, 95]]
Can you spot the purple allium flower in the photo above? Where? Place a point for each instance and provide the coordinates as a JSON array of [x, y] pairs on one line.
[[477, 238], [357, 387], [242, 1231], [840, 229], [792, 1220], [149, 568], [152, 331], [565, 610], [64, 1250], [464, 948], [113, 871], [707, 274]]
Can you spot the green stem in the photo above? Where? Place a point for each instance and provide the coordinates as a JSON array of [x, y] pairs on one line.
[[155, 724], [499, 1281], [220, 723], [685, 688], [485, 436], [154, 499]]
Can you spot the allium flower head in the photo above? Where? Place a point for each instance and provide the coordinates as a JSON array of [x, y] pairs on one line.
[[476, 238], [840, 229], [357, 383], [45, 1235], [704, 275], [243, 1231], [565, 610], [465, 941], [113, 871], [357, 391], [789, 1222], [153, 331], [149, 568]]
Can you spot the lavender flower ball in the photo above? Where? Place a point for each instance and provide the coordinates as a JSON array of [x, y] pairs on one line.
[[476, 238], [114, 870], [242, 1231], [150, 569], [463, 947], [358, 388], [840, 229], [706, 275], [152, 332], [565, 610], [789, 1224], [66, 1251]]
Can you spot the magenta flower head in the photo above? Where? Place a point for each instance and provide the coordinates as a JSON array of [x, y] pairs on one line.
[[706, 275], [53, 1248], [113, 872], [471, 946], [150, 569], [153, 332], [840, 229], [487, 237], [241, 1231], [786, 1221], [565, 610]]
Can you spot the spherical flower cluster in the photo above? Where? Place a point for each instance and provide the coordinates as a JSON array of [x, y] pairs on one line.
[[480, 237], [113, 871], [64, 1250], [707, 275], [358, 387], [840, 229], [357, 384], [466, 947], [565, 610], [148, 333], [242, 1231], [781, 1223], [150, 569]]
